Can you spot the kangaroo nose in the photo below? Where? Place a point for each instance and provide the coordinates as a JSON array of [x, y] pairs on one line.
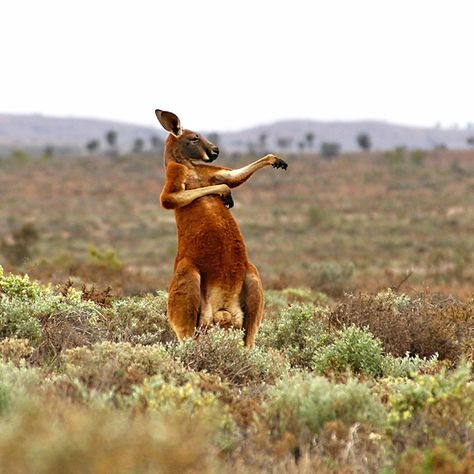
[[215, 151]]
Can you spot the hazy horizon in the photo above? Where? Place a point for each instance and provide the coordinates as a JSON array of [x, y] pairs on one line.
[[250, 126]]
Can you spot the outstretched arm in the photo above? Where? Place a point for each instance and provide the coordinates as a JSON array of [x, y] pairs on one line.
[[234, 178], [174, 194]]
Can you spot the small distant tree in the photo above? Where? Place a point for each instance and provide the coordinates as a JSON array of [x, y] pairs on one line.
[[48, 151], [251, 148], [364, 141], [470, 141], [309, 137], [330, 149], [138, 145], [111, 137], [156, 142], [92, 146], [262, 141], [214, 138], [283, 143]]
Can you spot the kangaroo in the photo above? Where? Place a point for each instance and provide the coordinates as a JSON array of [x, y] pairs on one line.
[[213, 281]]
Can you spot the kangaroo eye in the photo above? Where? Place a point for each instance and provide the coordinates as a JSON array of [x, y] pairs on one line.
[[195, 139]]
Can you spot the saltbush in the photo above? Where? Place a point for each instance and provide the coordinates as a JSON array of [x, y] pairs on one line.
[[302, 404], [188, 399], [139, 320], [428, 407], [353, 349], [18, 319], [19, 286], [222, 352], [298, 332], [332, 278], [118, 367], [15, 383]]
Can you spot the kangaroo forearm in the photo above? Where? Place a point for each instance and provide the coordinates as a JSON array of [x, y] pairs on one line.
[[185, 197], [238, 176]]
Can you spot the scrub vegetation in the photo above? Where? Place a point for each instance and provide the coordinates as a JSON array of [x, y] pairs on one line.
[[363, 363]]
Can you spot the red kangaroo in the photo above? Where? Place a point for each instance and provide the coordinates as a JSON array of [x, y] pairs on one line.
[[213, 280]]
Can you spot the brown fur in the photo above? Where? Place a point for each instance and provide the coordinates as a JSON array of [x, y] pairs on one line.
[[213, 280]]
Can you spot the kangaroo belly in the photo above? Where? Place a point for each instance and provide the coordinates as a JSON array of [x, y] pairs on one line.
[[209, 236], [222, 308]]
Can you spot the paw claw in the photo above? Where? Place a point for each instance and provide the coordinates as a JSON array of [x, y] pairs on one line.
[[279, 163], [228, 201]]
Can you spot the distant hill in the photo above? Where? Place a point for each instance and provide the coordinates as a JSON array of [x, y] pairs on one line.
[[36, 131], [383, 135]]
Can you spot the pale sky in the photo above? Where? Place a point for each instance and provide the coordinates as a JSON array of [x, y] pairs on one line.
[[225, 65]]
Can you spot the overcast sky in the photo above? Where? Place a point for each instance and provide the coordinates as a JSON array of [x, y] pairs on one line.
[[223, 65]]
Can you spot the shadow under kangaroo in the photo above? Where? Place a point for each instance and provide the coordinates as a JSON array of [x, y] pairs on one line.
[[213, 280]]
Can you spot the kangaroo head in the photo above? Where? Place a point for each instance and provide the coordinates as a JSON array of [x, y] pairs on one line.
[[184, 145]]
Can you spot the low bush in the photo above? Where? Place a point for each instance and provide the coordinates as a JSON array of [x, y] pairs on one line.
[[302, 404], [19, 286], [18, 319], [139, 320], [16, 383], [431, 407], [52, 321], [440, 458], [422, 325], [408, 365], [353, 349], [188, 399], [298, 332], [222, 352], [332, 278], [305, 295], [118, 367], [15, 350]]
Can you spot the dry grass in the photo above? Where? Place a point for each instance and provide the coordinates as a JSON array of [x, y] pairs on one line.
[[356, 222]]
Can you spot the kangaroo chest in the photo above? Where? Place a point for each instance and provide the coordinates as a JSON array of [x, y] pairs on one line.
[[195, 180]]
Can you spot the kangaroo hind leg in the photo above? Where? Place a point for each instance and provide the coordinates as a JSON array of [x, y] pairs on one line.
[[252, 303], [184, 299]]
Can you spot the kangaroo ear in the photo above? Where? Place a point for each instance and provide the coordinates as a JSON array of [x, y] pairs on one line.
[[169, 121]]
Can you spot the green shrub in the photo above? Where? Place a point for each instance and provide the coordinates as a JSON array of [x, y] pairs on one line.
[[305, 295], [18, 319], [298, 332], [51, 321], [430, 407], [302, 404], [187, 400], [408, 365], [222, 352], [332, 278], [107, 258], [418, 157], [15, 383], [17, 286], [275, 300], [118, 367], [139, 320], [353, 349]]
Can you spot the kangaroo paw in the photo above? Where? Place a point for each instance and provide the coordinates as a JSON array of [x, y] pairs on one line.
[[279, 163]]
